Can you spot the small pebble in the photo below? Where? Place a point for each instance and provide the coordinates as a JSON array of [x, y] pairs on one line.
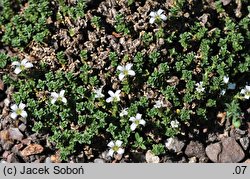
[[8, 145], [47, 160], [98, 160], [22, 127], [192, 160], [244, 142]]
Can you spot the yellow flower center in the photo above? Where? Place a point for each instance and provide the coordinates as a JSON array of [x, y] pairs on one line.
[[115, 148]]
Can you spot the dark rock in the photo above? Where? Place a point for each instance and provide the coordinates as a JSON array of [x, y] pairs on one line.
[[12, 159], [244, 142], [15, 134], [16, 148], [195, 149], [226, 151], [32, 158], [138, 157], [8, 145]]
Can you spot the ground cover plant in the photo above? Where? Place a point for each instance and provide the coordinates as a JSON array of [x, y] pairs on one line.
[[124, 81]]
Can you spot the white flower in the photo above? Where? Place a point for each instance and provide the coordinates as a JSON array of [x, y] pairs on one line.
[[246, 92], [158, 104], [115, 147], [199, 87], [225, 79], [113, 96], [124, 112], [231, 86], [156, 16], [174, 124], [21, 66], [18, 111], [136, 121], [58, 97], [125, 71], [98, 93]]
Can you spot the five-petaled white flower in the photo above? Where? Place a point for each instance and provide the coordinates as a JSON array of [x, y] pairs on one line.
[[113, 96], [115, 147], [158, 104], [157, 16], [21, 66], [58, 97], [199, 87], [174, 124], [136, 121], [246, 92], [18, 111], [124, 112], [98, 93], [125, 71]]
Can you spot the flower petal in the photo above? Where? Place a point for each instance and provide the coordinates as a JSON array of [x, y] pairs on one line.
[[21, 106], [13, 115], [110, 99], [138, 116], [111, 144], [163, 17], [225, 79], [131, 72], [128, 66], [132, 119], [152, 14], [17, 70], [54, 95], [118, 143], [28, 65], [62, 93], [133, 126], [121, 68], [160, 11], [111, 93], [247, 88], [53, 101], [151, 20], [142, 122], [64, 100], [24, 61], [16, 63], [111, 152], [243, 91], [121, 76], [14, 107], [117, 93], [24, 114], [120, 151]]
